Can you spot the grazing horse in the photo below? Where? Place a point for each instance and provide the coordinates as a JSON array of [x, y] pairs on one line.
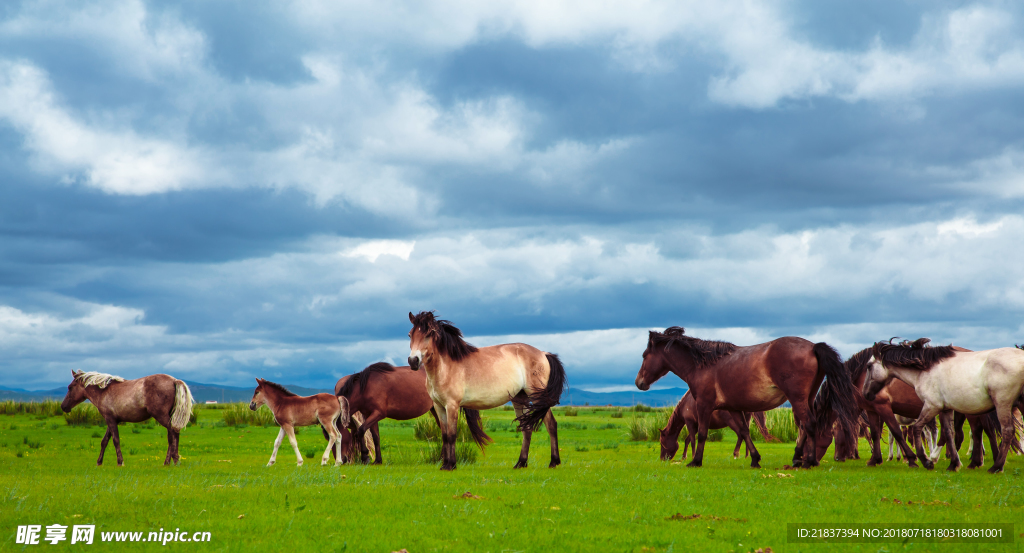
[[165, 398], [947, 380], [461, 375], [291, 410], [754, 378], [381, 391], [685, 415]]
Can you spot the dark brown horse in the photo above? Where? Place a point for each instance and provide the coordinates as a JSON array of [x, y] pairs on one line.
[[754, 378], [382, 391], [685, 414], [162, 397]]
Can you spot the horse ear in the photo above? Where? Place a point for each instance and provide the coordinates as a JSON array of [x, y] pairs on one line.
[[412, 319], [345, 413]]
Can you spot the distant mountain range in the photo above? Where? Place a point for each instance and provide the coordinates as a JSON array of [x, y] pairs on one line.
[[228, 394]]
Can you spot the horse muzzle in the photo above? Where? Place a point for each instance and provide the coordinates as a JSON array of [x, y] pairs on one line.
[[414, 363], [252, 406], [640, 383]]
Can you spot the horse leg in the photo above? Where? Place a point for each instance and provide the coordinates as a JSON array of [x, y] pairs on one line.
[[946, 419], [703, 419], [991, 433], [449, 434], [277, 444], [290, 431], [170, 446], [886, 415], [976, 450], [370, 420], [691, 438], [741, 426], [928, 412], [1005, 414], [103, 446], [332, 438], [805, 453], [552, 426], [875, 435], [524, 453], [116, 436], [378, 459], [958, 428]]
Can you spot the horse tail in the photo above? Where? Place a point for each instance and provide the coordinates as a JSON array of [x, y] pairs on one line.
[[181, 412], [537, 404], [476, 429], [762, 427], [835, 399]]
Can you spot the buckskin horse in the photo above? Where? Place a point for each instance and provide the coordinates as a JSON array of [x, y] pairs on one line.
[[462, 375], [684, 415], [291, 410], [162, 397], [754, 378], [948, 380]]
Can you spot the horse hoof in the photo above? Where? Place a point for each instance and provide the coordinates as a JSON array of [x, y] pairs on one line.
[[995, 470], [912, 465], [953, 468], [755, 465], [520, 464], [554, 463], [694, 464], [447, 467], [928, 465], [299, 464]]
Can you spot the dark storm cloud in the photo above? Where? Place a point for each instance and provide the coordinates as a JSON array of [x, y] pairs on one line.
[[227, 190]]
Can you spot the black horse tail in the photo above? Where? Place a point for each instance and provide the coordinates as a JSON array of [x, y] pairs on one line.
[[835, 400], [537, 404], [758, 417], [476, 429]]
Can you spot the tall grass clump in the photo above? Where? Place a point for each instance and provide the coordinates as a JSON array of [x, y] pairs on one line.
[[45, 408], [641, 408], [642, 429], [239, 413], [570, 412], [426, 429], [780, 423], [84, 414]]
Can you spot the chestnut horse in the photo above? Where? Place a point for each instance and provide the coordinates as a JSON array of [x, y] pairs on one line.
[[685, 415], [163, 397], [291, 410], [754, 378], [460, 375], [381, 391], [945, 379]]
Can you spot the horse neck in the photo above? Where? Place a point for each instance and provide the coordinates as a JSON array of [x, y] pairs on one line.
[[273, 399], [98, 396], [910, 376], [681, 363]]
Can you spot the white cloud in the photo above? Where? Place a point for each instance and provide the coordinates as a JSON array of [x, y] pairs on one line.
[[375, 248]]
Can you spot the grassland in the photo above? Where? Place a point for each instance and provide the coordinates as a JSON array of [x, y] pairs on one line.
[[610, 494]]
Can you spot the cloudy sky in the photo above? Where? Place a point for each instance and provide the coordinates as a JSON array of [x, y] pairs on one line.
[[222, 190]]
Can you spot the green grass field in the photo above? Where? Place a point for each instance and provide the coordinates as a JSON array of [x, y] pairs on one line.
[[610, 494]]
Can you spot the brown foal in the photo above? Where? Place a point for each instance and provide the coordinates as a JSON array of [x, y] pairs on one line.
[[685, 414], [291, 410]]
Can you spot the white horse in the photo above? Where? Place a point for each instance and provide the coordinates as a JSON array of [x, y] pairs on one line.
[[945, 379], [930, 437]]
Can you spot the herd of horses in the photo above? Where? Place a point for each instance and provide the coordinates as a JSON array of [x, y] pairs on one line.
[[832, 400]]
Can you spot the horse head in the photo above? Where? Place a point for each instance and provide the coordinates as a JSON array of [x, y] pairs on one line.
[[655, 359], [876, 377], [257, 396], [76, 393], [421, 338], [669, 444]]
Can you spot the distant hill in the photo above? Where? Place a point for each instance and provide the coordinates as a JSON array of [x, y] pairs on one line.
[[229, 394]]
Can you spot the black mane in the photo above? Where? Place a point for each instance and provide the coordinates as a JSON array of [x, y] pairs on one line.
[[363, 376], [705, 352], [911, 355], [858, 363], [446, 336], [284, 391]]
